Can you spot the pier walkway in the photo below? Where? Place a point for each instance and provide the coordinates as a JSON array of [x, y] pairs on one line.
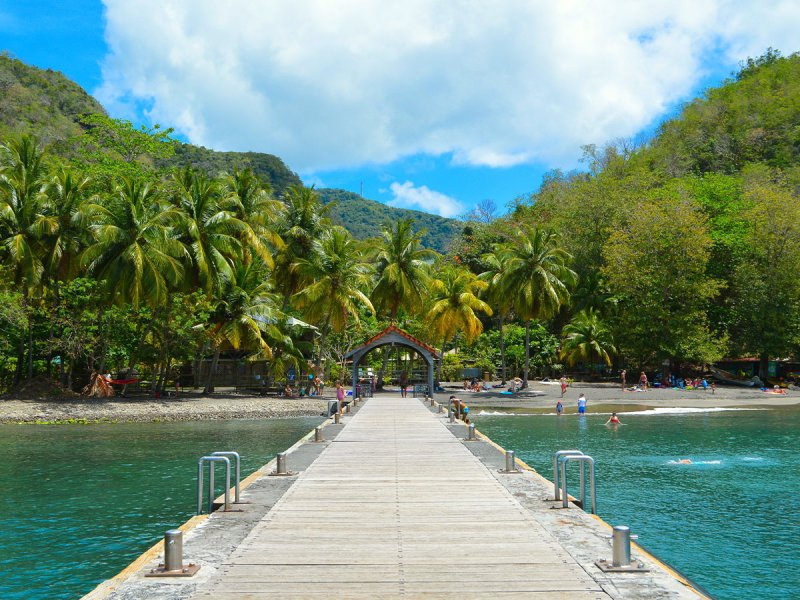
[[397, 506]]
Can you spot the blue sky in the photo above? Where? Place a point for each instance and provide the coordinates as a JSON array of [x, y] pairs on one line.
[[428, 104]]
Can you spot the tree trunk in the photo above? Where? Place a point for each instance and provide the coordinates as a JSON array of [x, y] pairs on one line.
[[386, 351], [527, 353], [30, 348], [209, 389], [763, 366], [502, 349]]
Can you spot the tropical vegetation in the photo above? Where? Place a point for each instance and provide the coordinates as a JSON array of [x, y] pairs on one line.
[[668, 254]]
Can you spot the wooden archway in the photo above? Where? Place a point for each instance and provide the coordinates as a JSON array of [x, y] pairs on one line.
[[393, 335]]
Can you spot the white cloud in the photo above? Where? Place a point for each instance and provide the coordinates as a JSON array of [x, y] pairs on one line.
[[328, 85], [407, 195]]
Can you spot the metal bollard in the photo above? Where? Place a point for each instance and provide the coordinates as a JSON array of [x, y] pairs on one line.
[[173, 550], [281, 468], [318, 434], [471, 432], [452, 415], [347, 408], [336, 418], [431, 400], [621, 549], [441, 408], [511, 463], [173, 558]]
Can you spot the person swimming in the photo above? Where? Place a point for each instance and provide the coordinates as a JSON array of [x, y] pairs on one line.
[[613, 419], [685, 461]]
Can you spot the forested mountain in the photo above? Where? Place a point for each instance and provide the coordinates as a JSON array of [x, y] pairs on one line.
[[53, 108], [689, 246], [364, 217]]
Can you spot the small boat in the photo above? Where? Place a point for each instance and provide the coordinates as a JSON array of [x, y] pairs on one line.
[[729, 378]]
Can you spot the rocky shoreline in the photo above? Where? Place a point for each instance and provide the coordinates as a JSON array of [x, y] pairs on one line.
[[189, 408]]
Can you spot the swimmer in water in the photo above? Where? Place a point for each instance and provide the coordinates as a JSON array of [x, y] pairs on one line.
[[684, 461], [613, 420]]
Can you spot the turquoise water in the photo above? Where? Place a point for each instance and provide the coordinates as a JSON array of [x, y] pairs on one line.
[[80, 502], [730, 520]]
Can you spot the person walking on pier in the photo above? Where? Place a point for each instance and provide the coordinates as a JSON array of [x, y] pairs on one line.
[[340, 395]]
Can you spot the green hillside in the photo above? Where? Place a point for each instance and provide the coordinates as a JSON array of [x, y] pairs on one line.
[[40, 102], [363, 218], [48, 105]]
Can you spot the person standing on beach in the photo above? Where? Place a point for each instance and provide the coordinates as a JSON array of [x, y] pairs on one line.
[[559, 408], [643, 381], [622, 376], [563, 385], [581, 404]]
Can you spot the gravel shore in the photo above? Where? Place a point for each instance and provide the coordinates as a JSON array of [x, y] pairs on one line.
[[235, 406], [188, 408]]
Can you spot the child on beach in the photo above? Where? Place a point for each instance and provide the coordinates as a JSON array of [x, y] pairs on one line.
[[559, 408]]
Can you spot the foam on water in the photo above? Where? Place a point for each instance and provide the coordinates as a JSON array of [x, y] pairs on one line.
[[679, 410]]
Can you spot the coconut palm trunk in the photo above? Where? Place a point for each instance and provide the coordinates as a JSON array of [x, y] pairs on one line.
[[527, 353]]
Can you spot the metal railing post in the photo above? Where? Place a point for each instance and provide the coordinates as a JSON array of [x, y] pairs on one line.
[[556, 456], [238, 470], [318, 434], [580, 458], [211, 460]]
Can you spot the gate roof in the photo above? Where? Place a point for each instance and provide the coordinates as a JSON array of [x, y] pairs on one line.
[[394, 334]]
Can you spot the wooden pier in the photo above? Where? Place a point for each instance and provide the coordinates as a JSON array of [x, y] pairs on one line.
[[397, 505]]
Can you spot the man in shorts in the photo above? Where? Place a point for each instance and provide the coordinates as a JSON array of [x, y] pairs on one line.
[[581, 404]]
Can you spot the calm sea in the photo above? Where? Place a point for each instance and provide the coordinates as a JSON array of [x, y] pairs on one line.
[[80, 502], [729, 521]]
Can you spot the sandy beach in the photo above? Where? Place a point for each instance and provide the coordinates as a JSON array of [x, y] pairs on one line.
[[236, 406], [611, 395]]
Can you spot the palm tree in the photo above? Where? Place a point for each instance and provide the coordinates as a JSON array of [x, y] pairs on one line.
[[587, 339], [135, 251], [64, 223], [497, 263], [454, 304], [251, 202], [210, 232], [537, 278], [338, 274], [300, 226], [64, 234], [402, 274], [402, 269], [22, 181]]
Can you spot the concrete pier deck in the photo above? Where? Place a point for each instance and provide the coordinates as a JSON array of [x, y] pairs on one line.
[[398, 505]]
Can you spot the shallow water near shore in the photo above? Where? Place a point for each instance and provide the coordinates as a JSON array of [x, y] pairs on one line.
[[80, 502], [728, 520]]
